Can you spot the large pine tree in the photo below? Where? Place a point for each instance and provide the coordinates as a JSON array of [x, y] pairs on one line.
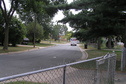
[[101, 18]]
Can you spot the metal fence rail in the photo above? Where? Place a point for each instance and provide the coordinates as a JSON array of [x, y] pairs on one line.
[[83, 72]]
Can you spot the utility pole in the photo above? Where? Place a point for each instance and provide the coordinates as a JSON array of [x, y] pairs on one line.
[[123, 59], [34, 31]]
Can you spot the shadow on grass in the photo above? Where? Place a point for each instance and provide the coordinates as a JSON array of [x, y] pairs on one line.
[[86, 65]]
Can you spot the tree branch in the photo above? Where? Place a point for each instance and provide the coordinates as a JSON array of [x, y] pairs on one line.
[[12, 5], [4, 6], [4, 12]]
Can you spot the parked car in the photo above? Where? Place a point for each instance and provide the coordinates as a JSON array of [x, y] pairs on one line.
[[25, 41]]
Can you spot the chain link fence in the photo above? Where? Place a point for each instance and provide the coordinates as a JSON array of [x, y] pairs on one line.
[[105, 69], [98, 70]]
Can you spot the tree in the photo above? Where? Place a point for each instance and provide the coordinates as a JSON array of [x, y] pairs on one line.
[[58, 30], [1, 29], [63, 29], [68, 35], [17, 31], [34, 6], [7, 15], [82, 35], [101, 18], [43, 9], [38, 31]]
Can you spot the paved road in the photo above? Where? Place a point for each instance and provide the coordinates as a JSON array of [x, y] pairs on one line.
[[11, 64]]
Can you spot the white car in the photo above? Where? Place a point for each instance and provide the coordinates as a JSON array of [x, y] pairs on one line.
[[73, 42]]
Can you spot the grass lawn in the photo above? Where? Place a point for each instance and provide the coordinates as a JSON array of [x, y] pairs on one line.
[[23, 47], [30, 46], [14, 49], [55, 42], [41, 44], [93, 53], [24, 82]]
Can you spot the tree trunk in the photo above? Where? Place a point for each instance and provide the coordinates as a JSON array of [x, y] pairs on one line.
[[6, 32], [109, 42], [99, 43]]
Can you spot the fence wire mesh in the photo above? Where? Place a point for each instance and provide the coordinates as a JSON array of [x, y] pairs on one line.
[[105, 70], [82, 72]]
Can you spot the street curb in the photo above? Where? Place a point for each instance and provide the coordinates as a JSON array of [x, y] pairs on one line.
[[84, 54]]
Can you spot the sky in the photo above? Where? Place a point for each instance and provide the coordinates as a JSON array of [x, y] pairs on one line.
[[60, 16], [7, 4]]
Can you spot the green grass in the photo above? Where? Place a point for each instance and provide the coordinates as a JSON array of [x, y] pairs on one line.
[[87, 65], [41, 44], [14, 49], [96, 53], [29, 46], [55, 42], [24, 82], [93, 53], [23, 47]]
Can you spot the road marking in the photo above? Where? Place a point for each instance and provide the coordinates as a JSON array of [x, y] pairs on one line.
[[54, 57]]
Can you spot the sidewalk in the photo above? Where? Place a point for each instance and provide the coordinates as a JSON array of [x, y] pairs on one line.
[[120, 78]]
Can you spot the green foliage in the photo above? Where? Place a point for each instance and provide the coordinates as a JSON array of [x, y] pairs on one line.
[[7, 17], [43, 9], [58, 30], [55, 32], [99, 18], [68, 34], [82, 35], [26, 10], [17, 31], [44, 20], [31, 30]]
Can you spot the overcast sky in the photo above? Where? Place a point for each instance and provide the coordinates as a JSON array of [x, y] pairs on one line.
[[60, 16]]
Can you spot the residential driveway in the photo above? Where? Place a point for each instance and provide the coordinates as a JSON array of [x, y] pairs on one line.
[[22, 62]]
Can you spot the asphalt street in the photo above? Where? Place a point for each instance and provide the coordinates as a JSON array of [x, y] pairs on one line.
[[16, 63]]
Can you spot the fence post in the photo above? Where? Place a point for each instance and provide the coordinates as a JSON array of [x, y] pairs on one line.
[[123, 59], [64, 75], [109, 71], [96, 79], [111, 68]]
